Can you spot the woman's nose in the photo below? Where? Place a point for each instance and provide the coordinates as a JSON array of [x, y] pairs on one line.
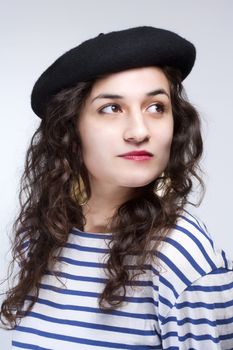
[[136, 129]]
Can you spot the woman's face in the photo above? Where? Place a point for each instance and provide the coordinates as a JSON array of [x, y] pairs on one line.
[[138, 116]]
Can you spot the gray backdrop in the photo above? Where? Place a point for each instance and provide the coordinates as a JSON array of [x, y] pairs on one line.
[[34, 33]]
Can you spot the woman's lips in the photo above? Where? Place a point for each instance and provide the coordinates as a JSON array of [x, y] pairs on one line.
[[140, 158], [137, 155]]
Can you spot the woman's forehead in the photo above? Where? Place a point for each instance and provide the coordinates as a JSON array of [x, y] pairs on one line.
[[137, 80]]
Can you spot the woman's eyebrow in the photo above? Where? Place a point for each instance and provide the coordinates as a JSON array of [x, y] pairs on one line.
[[151, 93]]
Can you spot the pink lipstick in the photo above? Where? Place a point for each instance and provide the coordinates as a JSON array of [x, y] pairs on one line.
[[137, 155]]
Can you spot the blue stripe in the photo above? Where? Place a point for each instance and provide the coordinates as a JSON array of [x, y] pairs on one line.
[[25, 245], [188, 256], [176, 348], [174, 268], [215, 340], [205, 305], [77, 277], [199, 244], [165, 282], [139, 300], [224, 259], [27, 346], [219, 270], [192, 216], [165, 301], [198, 223], [85, 248], [198, 321], [92, 325], [161, 318], [199, 228], [99, 280], [77, 232], [94, 310], [211, 288], [77, 340], [97, 265], [195, 224], [80, 263]]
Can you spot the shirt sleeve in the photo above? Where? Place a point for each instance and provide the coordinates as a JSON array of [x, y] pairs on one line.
[[202, 316]]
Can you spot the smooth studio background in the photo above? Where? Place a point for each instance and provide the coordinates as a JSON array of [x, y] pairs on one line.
[[34, 33]]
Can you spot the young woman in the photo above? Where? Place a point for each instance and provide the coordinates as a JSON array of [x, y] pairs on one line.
[[109, 257]]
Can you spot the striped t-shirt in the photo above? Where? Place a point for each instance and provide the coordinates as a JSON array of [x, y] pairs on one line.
[[188, 305]]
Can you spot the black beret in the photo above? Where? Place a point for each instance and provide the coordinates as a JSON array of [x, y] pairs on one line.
[[113, 52]]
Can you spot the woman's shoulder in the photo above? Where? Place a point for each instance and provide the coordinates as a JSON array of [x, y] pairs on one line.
[[188, 253], [189, 245]]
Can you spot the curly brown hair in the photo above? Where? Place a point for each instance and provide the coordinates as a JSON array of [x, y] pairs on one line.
[[52, 184]]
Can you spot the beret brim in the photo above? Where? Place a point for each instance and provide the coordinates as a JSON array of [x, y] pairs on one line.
[[113, 52]]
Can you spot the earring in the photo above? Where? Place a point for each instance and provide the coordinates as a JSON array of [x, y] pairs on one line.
[[79, 196], [161, 186], [83, 201]]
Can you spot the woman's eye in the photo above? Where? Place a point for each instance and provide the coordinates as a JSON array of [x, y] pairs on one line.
[[159, 107], [109, 109], [114, 108]]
